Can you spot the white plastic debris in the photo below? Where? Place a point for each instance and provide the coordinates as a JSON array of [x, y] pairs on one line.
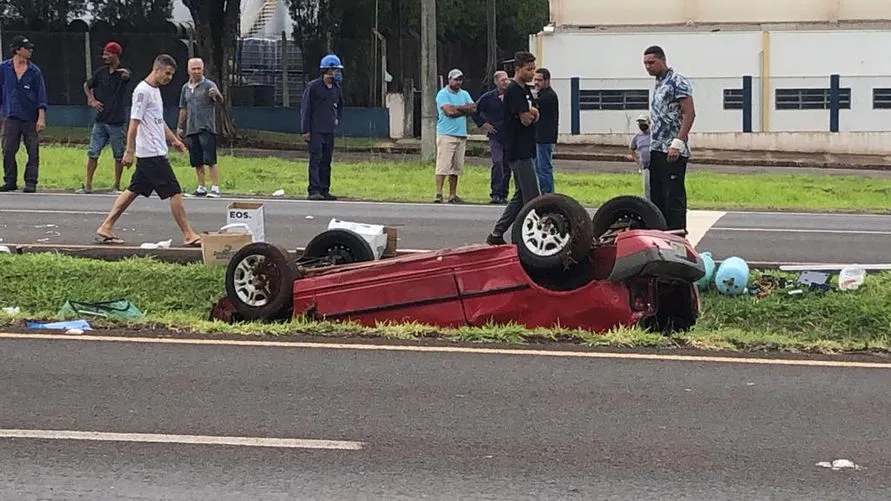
[[839, 464], [5, 249], [309, 217], [74, 331], [12, 310], [160, 245], [43, 240], [46, 226], [278, 193]]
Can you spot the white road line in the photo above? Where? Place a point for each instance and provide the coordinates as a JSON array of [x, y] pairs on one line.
[[53, 211], [802, 230], [451, 349], [699, 223], [97, 436]]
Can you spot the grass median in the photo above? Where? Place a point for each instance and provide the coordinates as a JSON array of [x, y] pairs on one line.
[[179, 297], [62, 169]]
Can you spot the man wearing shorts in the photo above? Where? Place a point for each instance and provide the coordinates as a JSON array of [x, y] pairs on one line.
[[147, 139], [198, 125], [454, 105], [518, 137], [105, 92]]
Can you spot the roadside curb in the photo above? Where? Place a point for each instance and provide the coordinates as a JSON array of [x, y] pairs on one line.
[[183, 255]]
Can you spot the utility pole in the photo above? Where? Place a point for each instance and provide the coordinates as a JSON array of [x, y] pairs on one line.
[[428, 80]]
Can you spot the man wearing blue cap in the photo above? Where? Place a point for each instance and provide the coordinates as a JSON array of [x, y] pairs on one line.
[[321, 110]]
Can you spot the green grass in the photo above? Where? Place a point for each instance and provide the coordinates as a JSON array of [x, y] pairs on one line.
[[179, 297], [62, 168], [246, 138]]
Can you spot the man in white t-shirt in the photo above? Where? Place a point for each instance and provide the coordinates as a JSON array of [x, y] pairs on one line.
[[147, 138]]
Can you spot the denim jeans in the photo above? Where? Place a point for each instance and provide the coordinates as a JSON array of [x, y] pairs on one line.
[[544, 167]]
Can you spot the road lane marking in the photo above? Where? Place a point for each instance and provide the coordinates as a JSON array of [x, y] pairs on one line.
[[802, 230], [451, 349], [53, 211], [97, 436], [699, 223]]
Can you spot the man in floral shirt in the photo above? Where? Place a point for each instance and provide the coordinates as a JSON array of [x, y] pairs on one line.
[[672, 114]]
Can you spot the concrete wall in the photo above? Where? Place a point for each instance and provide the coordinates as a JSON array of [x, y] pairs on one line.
[[762, 62], [648, 12], [357, 122]]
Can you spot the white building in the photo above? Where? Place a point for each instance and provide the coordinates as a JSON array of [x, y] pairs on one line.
[[788, 48]]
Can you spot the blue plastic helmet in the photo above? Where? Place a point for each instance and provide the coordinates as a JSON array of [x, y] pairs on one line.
[[331, 62]]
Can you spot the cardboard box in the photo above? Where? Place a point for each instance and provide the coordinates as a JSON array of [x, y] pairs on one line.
[[250, 214], [218, 248]]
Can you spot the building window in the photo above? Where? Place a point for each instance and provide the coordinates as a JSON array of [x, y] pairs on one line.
[[733, 99], [810, 99], [881, 99], [614, 99]]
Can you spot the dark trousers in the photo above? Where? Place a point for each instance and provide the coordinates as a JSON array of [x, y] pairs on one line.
[[500, 170], [526, 189], [14, 131], [321, 150], [667, 189]]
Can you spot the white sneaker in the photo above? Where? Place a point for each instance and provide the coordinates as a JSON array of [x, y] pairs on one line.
[[214, 193]]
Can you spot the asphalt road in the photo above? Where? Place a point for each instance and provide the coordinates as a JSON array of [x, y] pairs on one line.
[[772, 237], [434, 425]]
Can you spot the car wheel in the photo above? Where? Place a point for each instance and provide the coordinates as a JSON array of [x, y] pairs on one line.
[[259, 281], [338, 246], [552, 233], [630, 212]]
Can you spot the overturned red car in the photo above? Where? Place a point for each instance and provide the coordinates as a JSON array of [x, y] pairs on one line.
[[563, 268]]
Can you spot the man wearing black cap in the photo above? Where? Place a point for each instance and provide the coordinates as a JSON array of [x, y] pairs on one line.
[[23, 109]]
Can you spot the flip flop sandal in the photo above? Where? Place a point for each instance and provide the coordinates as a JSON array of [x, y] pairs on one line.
[[193, 243], [104, 240]]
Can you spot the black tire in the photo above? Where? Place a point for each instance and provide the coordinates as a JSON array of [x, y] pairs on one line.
[[640, 213], [338, 246], [558, 214], [266, 267]]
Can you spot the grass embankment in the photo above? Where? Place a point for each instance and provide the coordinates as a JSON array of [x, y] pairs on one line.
[[179, 297], [62, 168]]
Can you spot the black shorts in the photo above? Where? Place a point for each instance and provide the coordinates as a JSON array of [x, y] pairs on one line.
[[154, 174], [202, 148]]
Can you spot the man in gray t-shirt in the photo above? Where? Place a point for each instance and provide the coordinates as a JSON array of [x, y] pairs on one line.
[[198, 125], [640, 151]]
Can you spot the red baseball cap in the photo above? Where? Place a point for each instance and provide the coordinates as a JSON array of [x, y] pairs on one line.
[[114, 48]]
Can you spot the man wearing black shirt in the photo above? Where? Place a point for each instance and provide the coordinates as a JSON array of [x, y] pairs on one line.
[[545, 129], [105, 92], [518, 138]]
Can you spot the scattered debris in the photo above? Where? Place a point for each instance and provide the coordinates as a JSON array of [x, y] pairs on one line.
[[74, 331], [839, 464], [121, 309], [46, 226], [278, 193], [160, 245], [72, 324], [851, 278], [12, 311], [309, 217], [43, 240], [5, 249], [53, 234]]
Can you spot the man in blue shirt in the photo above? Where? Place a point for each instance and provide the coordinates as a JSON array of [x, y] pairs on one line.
[[672, 114], [321, 110], [453, 105], [489, 117], [23, 109]]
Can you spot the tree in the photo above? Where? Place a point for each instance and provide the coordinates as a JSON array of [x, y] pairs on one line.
[[52, 13], [143, 13], [316, 24], [217, 29]]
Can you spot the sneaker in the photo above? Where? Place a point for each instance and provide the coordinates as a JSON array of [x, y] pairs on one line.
[[7, 187], [214, 193], [438, 198], [316, 196], [328, 196], [200, 192], [30, 189], [494, 239], [456, 200], [84, 190]]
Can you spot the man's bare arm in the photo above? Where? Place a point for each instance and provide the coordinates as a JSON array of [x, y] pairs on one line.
[[688, 111]]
